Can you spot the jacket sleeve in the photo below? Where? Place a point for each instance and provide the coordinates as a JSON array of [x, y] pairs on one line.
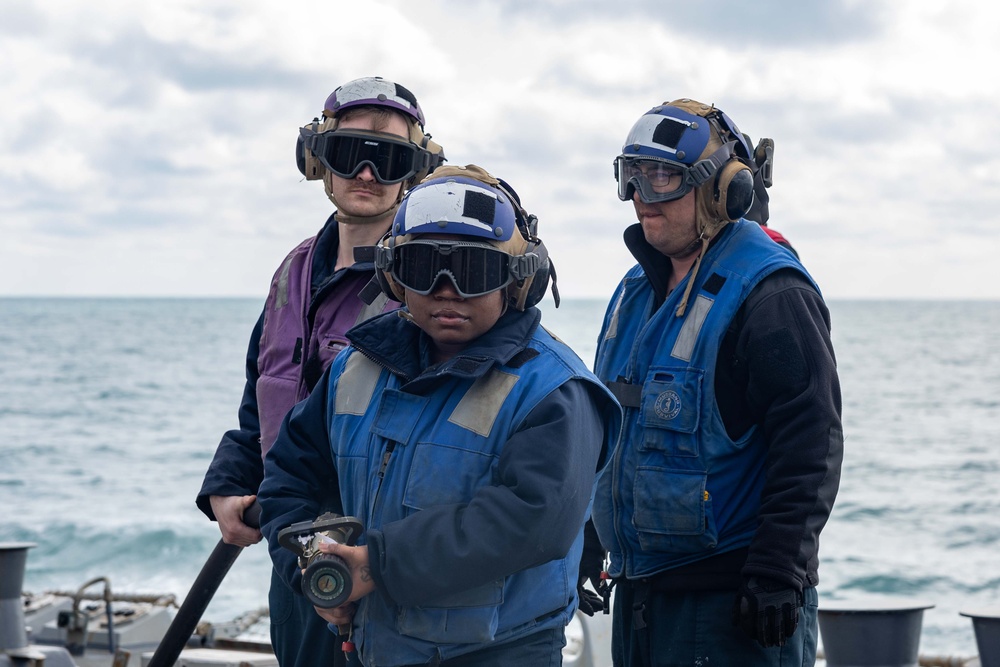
[[794, 391], [237, 469], [546, 474], [300, 480]]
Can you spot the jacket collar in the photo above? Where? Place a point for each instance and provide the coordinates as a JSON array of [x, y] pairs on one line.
[[655, 264], [401, 346]]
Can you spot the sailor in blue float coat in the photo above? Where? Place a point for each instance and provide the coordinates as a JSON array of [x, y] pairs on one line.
[[464, 436], [708, 499], [718, 347]]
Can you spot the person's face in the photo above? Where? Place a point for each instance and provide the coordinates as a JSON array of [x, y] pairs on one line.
[[451, 321], [669, 226], [363, 195]]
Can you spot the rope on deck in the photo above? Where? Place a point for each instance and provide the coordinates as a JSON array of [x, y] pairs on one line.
[[161, 599]]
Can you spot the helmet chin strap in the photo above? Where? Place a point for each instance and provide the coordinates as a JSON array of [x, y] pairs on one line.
[[682, 306], [708, 229], [690, 248]]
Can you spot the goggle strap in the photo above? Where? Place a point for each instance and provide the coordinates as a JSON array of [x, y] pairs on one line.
[[524, 266], [382, 258], [702, 170], [308, 137], [364, 253], [370, 291]]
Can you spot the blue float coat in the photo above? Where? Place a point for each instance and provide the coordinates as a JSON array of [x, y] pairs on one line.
[[731, 457], [474, 534]]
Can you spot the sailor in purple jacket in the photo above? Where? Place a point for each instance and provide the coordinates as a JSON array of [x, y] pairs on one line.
[[368, 148]]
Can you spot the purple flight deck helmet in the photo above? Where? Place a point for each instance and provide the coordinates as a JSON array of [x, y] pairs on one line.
[[374, 91]]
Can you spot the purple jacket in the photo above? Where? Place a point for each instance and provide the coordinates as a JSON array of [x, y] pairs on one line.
[[308, 311], [288, 341]]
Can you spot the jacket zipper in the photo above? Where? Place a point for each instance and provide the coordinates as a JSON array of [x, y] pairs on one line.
[[620, 453]]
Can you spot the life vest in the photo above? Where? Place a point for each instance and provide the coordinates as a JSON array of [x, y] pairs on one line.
[[679, 489], [778, 238], [397, 452]]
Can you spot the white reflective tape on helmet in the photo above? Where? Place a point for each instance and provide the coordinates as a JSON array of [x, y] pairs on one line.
[[376, 92], [643, 131], [439, 202], [370, 89]]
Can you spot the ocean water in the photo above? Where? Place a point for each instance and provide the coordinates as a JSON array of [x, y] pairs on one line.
[[110, 410]]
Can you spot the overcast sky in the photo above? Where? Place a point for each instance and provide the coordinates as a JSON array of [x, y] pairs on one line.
[[147, 148]]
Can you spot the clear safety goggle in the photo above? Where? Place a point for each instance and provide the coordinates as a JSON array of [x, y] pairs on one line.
[[655, 180], [474, 269], [392, 159]]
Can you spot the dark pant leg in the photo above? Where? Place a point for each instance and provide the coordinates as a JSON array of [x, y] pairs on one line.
[[690, 628], [300, 637], [624, 651], [542, 649]]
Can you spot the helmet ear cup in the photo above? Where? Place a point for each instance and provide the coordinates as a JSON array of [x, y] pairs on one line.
[[530, 291], [309, 165], [389, 286], [433, 158], [733, 194], [517, 291]]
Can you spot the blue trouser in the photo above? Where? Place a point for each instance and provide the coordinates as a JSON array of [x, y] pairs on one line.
[[696, 628], [542, 649], [300, 637]]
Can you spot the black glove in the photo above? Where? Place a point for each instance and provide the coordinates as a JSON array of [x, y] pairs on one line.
[[590, 602], [767, 610], [592, 558], [591, 565]]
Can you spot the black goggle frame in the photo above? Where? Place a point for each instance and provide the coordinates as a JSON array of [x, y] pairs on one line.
[[345, 153], [473, 268]]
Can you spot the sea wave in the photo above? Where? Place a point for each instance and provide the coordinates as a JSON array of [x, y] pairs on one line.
[[110, 411]]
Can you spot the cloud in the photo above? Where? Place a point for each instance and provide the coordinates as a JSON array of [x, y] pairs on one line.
[[161, 129], [769, 23]]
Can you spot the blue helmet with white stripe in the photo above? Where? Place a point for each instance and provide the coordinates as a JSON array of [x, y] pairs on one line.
[[469, 205], [683, 145], [457, 205]]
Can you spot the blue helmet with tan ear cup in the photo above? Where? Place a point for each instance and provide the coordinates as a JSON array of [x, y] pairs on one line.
[[683, 145], [469, 206]]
